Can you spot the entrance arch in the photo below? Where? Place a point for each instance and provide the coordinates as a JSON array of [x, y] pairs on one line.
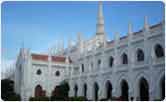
[[144, 89], [38, 91], [162, 88], [75, 90], [124, 90], [96, 89], [108, 90], [85, 90]]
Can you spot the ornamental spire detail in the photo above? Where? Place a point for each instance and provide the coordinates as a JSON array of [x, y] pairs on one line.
[[100, 20]]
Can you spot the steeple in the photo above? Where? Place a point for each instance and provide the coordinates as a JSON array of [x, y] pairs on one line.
[[100, 20], [130, 28], [146, 25]]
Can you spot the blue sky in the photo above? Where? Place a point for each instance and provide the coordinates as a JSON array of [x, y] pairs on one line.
[[40, 24]]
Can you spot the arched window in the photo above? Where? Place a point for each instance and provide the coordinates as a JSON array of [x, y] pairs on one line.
[[111, 61], [159, 51], [82, 67], [91, 65], [99, 63], [140, 55], [38, 72], [124, 59]]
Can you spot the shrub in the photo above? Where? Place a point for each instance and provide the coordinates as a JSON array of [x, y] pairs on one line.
[[57, 98], [103, 99], [80, 98], [40, 98], [14, 97], [158, 99], [117, 98]]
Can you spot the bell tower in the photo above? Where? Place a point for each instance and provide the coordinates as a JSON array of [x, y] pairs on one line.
[[100, 33]]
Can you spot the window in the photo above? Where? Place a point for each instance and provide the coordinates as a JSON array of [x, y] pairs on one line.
[[111, 61], [124, 59], [99, 62], [159, 51], [82, 67], [57, 73], [92, 65], [140, 55], [38, 72]]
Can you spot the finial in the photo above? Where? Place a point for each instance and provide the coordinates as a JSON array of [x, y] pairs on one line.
[[146, 25], [100, 22], [100, 12], [79, 37], [117, 36], [69, 42], [63, 44], [130, 28]]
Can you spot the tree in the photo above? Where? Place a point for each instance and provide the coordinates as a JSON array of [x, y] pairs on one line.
[[7, 90]]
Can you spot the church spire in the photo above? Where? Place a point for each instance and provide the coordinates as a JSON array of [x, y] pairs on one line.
[[100, 20], [146, 25]]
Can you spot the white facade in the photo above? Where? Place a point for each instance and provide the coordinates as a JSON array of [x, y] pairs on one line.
[[151, 68], [92, 63], [27, 67]]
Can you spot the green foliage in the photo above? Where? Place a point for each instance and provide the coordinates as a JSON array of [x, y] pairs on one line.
[[58, 98], [61, 92], [7, 91], [80, 98], [64, 88], [14, 97], [158, 99], [41, 98], [103, 99]]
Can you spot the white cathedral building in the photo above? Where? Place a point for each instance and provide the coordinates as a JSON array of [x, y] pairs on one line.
[[130, 67]]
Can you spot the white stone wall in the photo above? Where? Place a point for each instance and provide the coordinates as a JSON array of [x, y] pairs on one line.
[[152, 68], [48, 80]]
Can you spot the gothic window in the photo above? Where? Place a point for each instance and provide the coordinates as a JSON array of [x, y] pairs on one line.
[[111, 61], [159, 51], [57, 73], [99, 62], [124, 59], [140, 55], [92, 65], [38, 72], [82, 67]]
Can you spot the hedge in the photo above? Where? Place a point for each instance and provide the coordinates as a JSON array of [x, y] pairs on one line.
[[80, 98], [41, 98]]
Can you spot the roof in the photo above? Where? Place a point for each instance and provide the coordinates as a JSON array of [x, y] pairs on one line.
[[58, 59], [43, 57], [39, 57]]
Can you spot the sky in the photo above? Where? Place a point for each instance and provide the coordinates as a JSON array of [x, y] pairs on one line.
[[39, 25]]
